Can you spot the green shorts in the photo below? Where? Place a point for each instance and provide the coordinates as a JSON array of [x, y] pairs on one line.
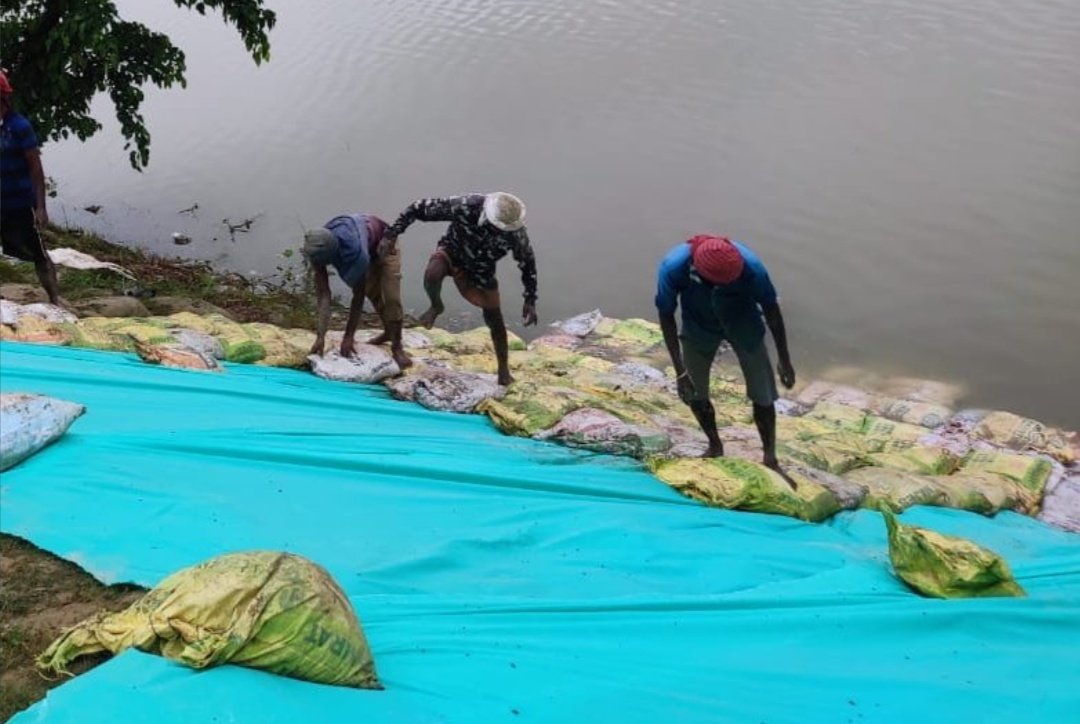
[[698, 356]]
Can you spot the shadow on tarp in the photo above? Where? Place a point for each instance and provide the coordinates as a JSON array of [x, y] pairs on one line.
[[500, 579]]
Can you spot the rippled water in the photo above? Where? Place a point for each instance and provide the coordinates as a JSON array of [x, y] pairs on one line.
[[910, 172]]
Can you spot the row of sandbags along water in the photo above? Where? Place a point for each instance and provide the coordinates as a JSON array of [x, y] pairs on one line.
[[606, 385]]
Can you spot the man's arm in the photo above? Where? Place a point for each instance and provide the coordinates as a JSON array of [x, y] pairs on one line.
[[356, 307], [37, 176], [438, 209], [322, 307], [526, 261], [670, 328], [775, 320]]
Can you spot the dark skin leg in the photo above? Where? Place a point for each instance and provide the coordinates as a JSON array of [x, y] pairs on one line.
[[437, 270], [705, 414], [46, 273], [765, 419], [493, 318]]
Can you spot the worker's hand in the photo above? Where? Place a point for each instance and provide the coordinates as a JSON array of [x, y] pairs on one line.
[[348, 346], [787, 373], [319, 347], [386, 245], [685, 387], [528, 313]]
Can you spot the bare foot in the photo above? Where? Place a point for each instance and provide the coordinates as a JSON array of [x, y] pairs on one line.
[[714, 452], [403, 360], [427, 319], [505, 379], [381, 339], [774, 464]]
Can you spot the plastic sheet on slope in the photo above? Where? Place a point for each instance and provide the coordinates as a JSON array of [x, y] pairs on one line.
[[501, 578]]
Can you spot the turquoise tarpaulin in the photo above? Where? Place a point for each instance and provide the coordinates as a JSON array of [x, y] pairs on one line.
[[501, 579]]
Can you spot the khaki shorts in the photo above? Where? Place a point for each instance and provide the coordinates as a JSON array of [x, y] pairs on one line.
[[474, 295], [383, 286], [698, 356]]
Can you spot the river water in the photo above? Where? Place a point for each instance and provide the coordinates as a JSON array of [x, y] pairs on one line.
[[909, 171]]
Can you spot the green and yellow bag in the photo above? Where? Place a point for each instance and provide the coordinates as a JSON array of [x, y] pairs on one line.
[[265, 610]]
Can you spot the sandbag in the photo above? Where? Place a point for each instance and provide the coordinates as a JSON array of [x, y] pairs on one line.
[[849, 494], [943, 566], [896, 490], [888, 435], [923, 414], [30, 422], [239, 344], [1032, 472], [838, 416], [601, 431], [1061, 506], [582, 325], [176, 355], [835, 452], [986, 493], [822, 391], [559, 341], [916, 459], [450, 391], [528, 408], [265, 610], [90, 337], [738, 484], [35, 331], [9, 312], [202, 342], [280, 348], [145, 330], [369, 364], [1022, 433], [913, 389]]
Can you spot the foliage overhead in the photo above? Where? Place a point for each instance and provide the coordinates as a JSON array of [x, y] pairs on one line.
[[59, 54]]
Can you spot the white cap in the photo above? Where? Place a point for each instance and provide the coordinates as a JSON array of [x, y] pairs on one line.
[[504, 211]]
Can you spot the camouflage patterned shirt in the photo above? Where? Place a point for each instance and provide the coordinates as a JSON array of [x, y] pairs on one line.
[[471, 245]]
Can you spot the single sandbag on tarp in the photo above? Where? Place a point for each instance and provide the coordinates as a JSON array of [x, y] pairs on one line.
[[943, 566], [265, 610], [1022, 433], [30, 422], [738, 484], [601, 431], [368, 365]]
